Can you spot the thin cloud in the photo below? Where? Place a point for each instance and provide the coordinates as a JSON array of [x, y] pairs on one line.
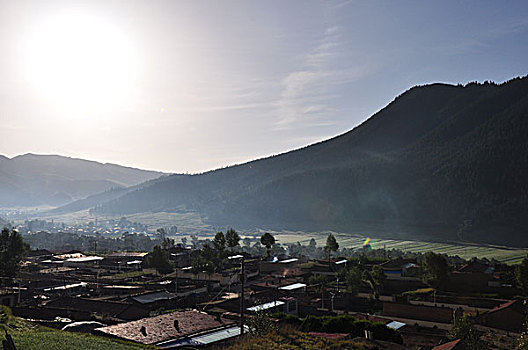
[[306, 92]]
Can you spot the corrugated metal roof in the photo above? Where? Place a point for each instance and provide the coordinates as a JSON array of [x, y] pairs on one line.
[[68, 286], [265, 306], [152, 297], [395, 325], [287, 261], [204, 339], [293, 286]]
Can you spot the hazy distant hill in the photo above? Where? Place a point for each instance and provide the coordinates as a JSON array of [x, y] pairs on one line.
[[435, 158], [31, 179]]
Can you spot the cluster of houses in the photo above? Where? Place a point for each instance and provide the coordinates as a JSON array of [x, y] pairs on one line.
[[116, 296]]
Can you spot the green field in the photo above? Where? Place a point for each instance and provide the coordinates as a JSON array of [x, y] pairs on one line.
[[504, 254], [464, 250], [192, 224]]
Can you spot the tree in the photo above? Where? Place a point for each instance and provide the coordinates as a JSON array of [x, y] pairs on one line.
[[207, 252], [331, 245], [201, 264], [378, 277], [232, 238], [353, 280], [312, 247], [167, 243], [159, 260], [521, 275], [260, 323], [322, 281], [267, 241], [522, 340], [13, 250], [219, 242], [462, 328], [435, 269], [375, 279]]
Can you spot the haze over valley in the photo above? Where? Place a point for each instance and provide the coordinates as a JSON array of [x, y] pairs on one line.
[[440, 162], [248, 174]]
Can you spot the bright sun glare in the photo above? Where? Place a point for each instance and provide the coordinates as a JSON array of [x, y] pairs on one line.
[[80, 62]]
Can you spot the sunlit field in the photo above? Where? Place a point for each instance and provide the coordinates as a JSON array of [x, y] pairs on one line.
[[192, 224]]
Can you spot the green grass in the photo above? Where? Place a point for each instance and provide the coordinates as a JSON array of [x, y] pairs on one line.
[[293, 340], [42, 338], [30, 336]]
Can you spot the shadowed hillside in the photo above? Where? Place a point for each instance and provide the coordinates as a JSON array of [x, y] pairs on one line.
[[439, 162]]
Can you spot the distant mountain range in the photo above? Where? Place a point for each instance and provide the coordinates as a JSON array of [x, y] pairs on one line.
[[31, 180], [440, 162]]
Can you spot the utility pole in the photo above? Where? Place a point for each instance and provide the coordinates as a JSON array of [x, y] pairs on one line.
[[242, 282], [242, 307]]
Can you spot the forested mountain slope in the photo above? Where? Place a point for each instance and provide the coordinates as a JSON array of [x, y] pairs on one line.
[[440, 162]]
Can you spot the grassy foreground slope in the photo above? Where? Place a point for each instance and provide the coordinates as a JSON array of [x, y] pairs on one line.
[[43, 338], [30, 336], [297, 340]]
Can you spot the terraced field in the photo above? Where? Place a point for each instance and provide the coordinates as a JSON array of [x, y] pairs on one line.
[[507, 255], [465, 250]]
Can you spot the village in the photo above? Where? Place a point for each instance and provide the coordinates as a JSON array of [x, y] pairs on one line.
[[209, 294]]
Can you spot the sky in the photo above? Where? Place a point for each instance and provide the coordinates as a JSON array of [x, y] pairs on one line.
[[189, 86]]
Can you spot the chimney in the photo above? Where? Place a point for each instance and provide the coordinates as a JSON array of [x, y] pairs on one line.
[[177, 325], [143, 331]]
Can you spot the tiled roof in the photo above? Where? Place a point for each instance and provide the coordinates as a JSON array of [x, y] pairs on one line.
[[397, 263], [452, 345], [162, 328], [474, 266], [514, 304]]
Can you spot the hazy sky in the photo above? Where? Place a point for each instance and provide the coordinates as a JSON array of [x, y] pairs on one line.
[[187, 86]]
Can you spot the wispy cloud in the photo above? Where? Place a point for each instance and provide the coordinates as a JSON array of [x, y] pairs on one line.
[[306, 92]]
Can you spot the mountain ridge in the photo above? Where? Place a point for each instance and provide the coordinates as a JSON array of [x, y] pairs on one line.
[[420, 166], [33, 179]]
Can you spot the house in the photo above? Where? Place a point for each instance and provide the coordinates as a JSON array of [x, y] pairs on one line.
[[180, 328], [285, 304], [509, 316], [123, 261], [114, 309], [154, 300], [39, 255], [476, 266], [293, 288], [400, 268], [278, 266], [67, 289], [9, 298], [83, 262]]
